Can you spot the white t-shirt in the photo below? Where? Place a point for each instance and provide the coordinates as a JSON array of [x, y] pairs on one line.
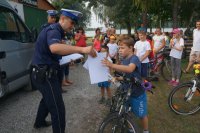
[[176, 53], [141, 48], [196, 40], [158, 41], [113, 48]]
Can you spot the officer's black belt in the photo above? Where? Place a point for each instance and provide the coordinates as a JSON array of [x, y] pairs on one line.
[[46, 70]]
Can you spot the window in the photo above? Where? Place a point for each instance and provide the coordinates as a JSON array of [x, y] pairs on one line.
[[11, 27], [24, 33]]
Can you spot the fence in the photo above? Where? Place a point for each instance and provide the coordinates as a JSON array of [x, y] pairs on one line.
[[187, 49]]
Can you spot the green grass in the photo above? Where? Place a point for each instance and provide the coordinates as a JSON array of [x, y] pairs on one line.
[[161, 118]]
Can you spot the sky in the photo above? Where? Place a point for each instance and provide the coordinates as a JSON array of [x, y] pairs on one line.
[[93, 22]]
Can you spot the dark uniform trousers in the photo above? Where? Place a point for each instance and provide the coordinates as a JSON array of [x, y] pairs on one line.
[[51, 102]]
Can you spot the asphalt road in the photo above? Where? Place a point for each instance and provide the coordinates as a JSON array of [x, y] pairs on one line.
[[83, 113]]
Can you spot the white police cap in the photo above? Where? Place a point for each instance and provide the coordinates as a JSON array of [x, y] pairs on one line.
[[74, 15], [52, 12]]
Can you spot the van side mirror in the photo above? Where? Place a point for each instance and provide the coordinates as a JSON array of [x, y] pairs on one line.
[[2, 54]]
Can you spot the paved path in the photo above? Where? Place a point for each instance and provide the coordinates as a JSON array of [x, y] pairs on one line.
[[83, 113]]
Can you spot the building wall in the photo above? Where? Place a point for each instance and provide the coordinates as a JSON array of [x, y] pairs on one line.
[[43, 4], [35, 16]]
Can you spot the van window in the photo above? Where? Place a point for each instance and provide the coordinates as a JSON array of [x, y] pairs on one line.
[[11, 27], [24, 34]]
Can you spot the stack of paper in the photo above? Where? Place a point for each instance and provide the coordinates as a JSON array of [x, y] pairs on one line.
[[68, 58], [97, 71]]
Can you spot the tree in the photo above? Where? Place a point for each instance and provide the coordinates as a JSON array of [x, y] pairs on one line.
[[145, 6], [78, 5]]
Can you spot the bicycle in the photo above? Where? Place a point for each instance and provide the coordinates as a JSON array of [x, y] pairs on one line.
[[119, 119], [163, 64], [185, 98]]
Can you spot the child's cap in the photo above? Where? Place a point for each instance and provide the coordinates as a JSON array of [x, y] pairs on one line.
[[176, 30], [112, 37]]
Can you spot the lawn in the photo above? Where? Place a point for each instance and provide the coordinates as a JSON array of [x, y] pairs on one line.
[[161, 118]]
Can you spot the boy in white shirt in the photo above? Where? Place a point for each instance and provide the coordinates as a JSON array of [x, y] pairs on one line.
[[176, 45], [142, 50], [113, 48], [195, 50]]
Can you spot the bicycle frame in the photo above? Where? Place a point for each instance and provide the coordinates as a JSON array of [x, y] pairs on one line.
[[191, 91], [154, 64]]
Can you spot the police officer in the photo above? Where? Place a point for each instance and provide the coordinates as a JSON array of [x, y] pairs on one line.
[[51, 18], [46, 69]]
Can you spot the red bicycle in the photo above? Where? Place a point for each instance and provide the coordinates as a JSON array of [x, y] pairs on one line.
[[160, 64]]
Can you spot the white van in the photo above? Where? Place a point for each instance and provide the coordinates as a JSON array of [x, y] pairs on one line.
[[16, 49]]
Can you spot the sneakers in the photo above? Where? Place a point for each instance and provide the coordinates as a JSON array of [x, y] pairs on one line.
[[175, 84], [102, 100], [45, 124], [171, 82]]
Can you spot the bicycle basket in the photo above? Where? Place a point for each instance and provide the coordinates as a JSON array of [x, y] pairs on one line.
[[196, 68]]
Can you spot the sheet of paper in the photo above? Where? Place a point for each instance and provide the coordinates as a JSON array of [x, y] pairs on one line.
[[68, 58], [85, 65], [97, 71]]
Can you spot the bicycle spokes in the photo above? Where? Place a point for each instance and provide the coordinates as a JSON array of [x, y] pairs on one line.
[[184, 100]]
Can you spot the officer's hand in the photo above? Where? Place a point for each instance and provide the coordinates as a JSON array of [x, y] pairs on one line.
[[90, 50]]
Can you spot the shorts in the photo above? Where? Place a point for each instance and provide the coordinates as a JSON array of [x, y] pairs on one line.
[[105, 84], [195, 56], [144, 69], [139, 105]]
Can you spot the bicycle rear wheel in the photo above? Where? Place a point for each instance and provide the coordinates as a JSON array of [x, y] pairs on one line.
[[166, 71], [117, 124], [178, 102]]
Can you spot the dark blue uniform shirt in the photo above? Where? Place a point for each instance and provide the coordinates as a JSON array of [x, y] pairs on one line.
[[44, 26], [137, 90], [48, 36]]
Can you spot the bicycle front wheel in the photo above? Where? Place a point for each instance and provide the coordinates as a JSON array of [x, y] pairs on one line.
[[179, 102], [117, 124]]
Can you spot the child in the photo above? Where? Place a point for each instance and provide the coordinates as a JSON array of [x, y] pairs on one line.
[[113, 48], [142, 50], [131, 66], [106, 84], [176, 45], [97, 40]]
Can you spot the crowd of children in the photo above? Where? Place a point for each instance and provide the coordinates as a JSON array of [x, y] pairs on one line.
[[131, 55]]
